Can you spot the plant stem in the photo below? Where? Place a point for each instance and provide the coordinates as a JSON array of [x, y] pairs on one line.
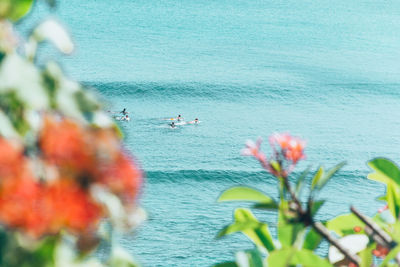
[[319, 227], [293, 196]]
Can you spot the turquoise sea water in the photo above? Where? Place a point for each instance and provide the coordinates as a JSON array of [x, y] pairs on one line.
[[326, 71]]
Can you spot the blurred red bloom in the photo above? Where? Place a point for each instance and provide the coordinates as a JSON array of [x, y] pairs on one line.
[[123, 177], [106, 145], [11, 158], [81, 156], [20, 205], [70, 207], [65, 143]]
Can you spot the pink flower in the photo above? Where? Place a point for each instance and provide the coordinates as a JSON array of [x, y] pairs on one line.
[[287, 151], [290, 147], [282, 140], [253, 149]]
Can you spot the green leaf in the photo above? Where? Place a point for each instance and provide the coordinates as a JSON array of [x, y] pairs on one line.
[[226, 264], [288, 231], [281, 258], [51, 85], [249, 258], [344, 223], [393, 199], [308, 258], [300, 181], [248, 224], [395, 231], [386, 171], [312, 240], [275, 165], [325, 178], [315, 206], [238, 227], [15, 110], [366, 256], [86, 105], [317, 176], [242, 193], [292, 257], [266, 206], [261, 235], [381, 198], [14, 9]]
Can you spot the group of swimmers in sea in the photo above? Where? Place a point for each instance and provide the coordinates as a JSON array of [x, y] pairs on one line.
[[180, 118]]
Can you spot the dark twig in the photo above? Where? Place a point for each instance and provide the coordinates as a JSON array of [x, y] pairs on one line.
[[387, 240], [319, 227]]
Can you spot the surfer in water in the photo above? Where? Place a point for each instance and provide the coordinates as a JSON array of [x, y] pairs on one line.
[[124, 111], [172, 125], [196, 121], [179, 118]]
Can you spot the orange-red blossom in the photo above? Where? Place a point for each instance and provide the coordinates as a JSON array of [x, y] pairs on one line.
[[81, 157]]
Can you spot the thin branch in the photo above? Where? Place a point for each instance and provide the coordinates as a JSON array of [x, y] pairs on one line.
[[388, 241], [375, 236], [293, 196], [319, 227]]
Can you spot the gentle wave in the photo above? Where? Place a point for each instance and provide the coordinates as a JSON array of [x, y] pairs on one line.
[[215, 91], [245, 176]]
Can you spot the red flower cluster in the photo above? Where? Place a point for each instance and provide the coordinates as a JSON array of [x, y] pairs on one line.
[[71, 158]]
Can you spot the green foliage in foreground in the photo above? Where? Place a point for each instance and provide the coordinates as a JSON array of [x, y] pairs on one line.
[[14, 9], [368, 241]]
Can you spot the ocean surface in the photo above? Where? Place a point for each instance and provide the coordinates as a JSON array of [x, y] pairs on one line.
[[327, 71]]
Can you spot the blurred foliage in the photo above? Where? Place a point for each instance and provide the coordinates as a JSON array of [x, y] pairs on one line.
[[66, 182], [14, 10]]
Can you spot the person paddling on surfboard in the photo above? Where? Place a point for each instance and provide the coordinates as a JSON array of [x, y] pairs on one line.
[[172, 125], [124, 111], [179, 118]]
